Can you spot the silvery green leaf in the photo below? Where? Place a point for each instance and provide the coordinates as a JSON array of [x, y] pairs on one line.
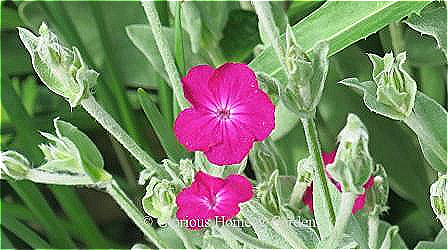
[[259, 218], [191, 22], [428, 121], [391, 233], [431, 21], [438, 243], [214, 16]]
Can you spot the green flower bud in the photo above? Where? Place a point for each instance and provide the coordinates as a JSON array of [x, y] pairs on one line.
[[73, 152], [267, 194], [305, 173], [439, 200], [62, 70], [187, 171], [265, 159], [160, 199], [395, 87], [306, 75], [353, 164], [377, 195], [14, 164]]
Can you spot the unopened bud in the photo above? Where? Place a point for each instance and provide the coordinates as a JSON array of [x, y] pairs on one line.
[[62, 70], [395, 87], [377, 195], [14, 164], [306, 75], [265, 159], [160, 199], [353, 164], [439, 200]]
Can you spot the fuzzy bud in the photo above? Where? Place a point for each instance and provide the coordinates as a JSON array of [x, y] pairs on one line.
[[439, 200], [14, 165], [160, 199]]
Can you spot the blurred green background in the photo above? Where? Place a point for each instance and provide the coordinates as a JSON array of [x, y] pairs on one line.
[[66, 216]]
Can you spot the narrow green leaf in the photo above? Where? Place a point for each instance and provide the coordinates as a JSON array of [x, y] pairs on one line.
[[178, 39], [163, 130], [5, 243], [428, 121], [24, 233]]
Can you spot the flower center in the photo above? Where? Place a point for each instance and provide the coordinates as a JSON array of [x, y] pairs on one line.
[[223, 113]]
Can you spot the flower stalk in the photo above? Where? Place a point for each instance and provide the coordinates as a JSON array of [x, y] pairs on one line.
[[133, 212], [105, 119], [315, 151], [373, 224], [344, 213]]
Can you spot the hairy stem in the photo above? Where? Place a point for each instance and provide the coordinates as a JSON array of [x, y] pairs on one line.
[[165, 53], [373, 223], [106, 120], [312, 140], [344, 213], [133, 212], [398, 43]]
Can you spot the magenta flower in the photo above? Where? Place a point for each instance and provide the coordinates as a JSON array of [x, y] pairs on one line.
[[229, 112], [211, 197], [328, 158]]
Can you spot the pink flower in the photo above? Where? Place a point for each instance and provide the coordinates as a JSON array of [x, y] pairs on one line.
[[211, 197], [328, 158], [229, 112]]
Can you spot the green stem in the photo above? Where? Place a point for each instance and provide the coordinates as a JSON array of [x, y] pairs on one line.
[[398, 43], [344, 213], [373, 223], [172, 223], [314, 149], [165, 53], [106, 120], [134, 213]]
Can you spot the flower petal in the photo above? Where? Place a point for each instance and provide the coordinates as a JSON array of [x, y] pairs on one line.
[[328, 157], [192, 208], [237, 140], [307, 197], [239, 186], [256, 111], [231, 82], [197, 130], [195, 86], [359, 203]]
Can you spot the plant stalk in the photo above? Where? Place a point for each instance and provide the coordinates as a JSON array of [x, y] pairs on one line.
[[165, 53], [106, 120], [134, 213], [373, 223], [172, 223], [344, 213], [312, 140]]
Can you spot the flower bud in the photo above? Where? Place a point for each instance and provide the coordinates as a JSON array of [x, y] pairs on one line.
[[187, 171], [395, 87], [14, 164], [160, 199], [353, 164], [62, 70], [439, 200], [378, 194], [267, 194], [306, 75], [265, 159], [70, 150]]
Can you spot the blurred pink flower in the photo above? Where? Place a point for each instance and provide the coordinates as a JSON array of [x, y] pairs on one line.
[[211, 197], [328, 158], [229, 112]]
